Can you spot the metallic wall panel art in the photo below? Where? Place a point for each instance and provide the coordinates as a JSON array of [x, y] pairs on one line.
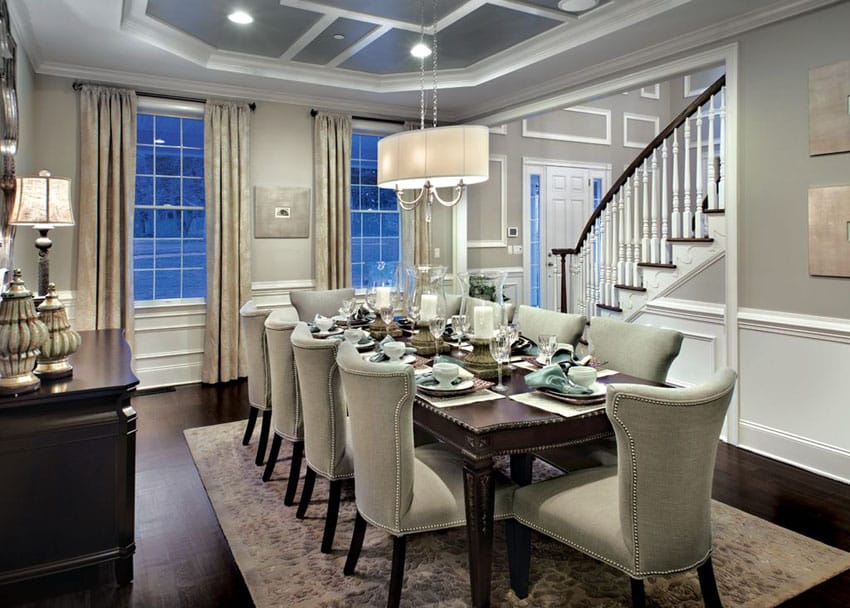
[[281, 212], [829, 231]]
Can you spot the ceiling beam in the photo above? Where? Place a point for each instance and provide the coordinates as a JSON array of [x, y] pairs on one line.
[[534, 9], [327, 9], [359, 45], [307, 37]]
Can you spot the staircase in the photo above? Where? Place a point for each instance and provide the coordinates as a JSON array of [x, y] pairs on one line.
[[660, 221]]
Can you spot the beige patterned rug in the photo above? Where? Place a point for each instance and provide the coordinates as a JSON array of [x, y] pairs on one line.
[[756, 563]]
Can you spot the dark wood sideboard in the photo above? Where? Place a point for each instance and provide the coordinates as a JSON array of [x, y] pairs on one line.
[[67, 467]]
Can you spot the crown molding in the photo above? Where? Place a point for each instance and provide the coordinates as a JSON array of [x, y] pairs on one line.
[[21, 24]]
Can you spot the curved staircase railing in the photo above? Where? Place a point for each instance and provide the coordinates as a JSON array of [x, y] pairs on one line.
[[661, 198]]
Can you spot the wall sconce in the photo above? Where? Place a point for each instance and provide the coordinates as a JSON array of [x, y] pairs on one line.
[[42, 202]]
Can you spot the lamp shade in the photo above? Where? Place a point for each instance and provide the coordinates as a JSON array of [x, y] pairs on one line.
[[42, 199], [443, 156]]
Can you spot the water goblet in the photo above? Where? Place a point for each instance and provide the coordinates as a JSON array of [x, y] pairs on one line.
[[514, 331], [437, 325], [500, 350], [347, 309], [386, 313], [458, 322], [546, 344]]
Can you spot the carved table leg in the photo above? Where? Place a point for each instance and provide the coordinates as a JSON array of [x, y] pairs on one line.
[[479, 492]]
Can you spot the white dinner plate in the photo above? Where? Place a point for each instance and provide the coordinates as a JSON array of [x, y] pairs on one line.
[[465, 385], [365, 346], [599, 390], [333, 331], [404, 359]]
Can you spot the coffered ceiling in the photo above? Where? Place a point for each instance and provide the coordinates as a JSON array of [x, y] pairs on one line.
[[355, 54]]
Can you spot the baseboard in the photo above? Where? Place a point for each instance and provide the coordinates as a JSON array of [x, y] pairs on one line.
[[826, 460], [169, 375]]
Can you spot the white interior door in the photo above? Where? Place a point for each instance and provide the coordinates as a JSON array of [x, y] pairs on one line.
[[566, 205]]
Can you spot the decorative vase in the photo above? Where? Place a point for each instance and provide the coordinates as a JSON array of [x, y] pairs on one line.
[[62, 341], [21, 336], [384, 291], [488, 286], [426, 301]]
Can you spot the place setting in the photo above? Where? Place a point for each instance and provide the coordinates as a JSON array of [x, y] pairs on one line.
[[568, 393]]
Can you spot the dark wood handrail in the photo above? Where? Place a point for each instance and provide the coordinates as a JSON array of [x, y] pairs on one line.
[[638, 161]]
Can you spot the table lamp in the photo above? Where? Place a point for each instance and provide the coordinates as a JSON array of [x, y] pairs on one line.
[[43, 202]]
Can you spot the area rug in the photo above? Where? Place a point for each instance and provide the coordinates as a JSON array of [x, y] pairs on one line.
[[756, 563]]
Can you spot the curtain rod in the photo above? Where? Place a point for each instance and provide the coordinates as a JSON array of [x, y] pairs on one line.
[[79, 84], [314, 112]]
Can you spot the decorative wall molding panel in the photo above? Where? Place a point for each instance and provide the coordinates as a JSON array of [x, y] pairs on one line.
[[603, 128], [639, 140], [502, 176], [793, 389], [652, 91]]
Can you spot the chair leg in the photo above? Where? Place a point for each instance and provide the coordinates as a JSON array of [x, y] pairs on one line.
[[273, 454], [331, 516], [264, 437], [356, 545], [306, 493], [397, 575], [518, 539], [708, 585], [638, 594], [249, 430], [294, 473]]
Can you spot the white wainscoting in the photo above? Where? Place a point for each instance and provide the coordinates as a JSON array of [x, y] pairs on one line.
[[795, 389], [169, 344]]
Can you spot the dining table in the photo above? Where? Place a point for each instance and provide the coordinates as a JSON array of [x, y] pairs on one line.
[[481, 431]]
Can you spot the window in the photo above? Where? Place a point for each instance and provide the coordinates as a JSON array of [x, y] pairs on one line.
[[375, 217], [169, 257]]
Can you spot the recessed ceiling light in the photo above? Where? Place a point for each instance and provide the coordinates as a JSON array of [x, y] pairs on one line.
[[240, 17], [339, 37], [420, 50], [577, 6]]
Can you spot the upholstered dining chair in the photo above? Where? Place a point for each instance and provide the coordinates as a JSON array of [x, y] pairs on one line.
[[287, 420], [400, 488], [259, 389], [327, 445], [651, 513], [325, 302], [567, 328]]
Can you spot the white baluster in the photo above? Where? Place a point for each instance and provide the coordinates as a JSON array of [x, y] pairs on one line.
[[629, 252], [598, 265], [686, 212], [665, 207], [588, 275], [711, 185], [613, 249], [721, 185], [645, 214], [621, 238], [656, 209], [676, 216], [698, 201], [602, 253], [636, 229]]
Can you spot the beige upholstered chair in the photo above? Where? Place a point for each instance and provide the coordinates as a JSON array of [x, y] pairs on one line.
[[319, 302], [259, 389], [326, 435], [399, 488], [287, 421], [638, 350], [568, 328], [651, 514]]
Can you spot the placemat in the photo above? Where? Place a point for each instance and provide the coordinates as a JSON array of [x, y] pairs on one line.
[[476, 397], [548, 404]]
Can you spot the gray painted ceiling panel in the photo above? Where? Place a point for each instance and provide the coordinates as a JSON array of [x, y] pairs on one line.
[[389, 54], [324, 47], [402, 10], [274, 29]]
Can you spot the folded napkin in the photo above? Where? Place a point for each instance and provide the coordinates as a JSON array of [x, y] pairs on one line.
[[379, 351], [362, 314], [554, 378], [428, 379]]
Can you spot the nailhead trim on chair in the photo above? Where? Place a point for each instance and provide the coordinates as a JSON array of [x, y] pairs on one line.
[[633, 459]]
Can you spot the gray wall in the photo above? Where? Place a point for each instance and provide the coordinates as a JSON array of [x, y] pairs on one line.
[[776, 169]]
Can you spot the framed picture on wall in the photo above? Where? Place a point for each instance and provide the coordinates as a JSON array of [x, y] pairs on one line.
[[281, 213]]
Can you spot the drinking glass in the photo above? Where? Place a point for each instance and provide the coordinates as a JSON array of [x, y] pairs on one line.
[[500, 349], [386, 313], [458, 323], [513, 331], [546, 344], [347, 309], [437, 325]]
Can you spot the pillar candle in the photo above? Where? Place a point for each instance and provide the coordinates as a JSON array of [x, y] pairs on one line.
[[483, 322], [428, 306], [382, 297]]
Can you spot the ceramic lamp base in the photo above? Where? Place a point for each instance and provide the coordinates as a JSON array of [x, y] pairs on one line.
[[53, 370], [424, 344], [481, 363], [22, 383]]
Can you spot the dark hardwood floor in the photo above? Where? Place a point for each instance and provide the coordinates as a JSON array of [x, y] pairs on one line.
[[182, 557]]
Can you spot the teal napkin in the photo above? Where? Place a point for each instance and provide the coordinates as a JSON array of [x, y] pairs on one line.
[[554, 378], [429, 380]]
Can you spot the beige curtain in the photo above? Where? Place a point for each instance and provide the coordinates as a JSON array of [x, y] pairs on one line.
[[414, 235], [332, 175], [107, 189], [226, 151]]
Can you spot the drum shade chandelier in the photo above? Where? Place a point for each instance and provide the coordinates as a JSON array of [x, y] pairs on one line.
[[423, 160]]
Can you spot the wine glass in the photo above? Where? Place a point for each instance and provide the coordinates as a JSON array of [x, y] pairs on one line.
[[546, 344], [347, 309], [500, 349], [458, 323], [437, 325], [386, 313], [513, 331]]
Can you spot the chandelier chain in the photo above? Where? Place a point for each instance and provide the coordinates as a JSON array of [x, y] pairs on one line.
[[434, 44], [422, 66]]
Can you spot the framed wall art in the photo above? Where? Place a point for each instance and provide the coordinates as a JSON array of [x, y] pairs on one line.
[[281, 213], [829, 109], [829, 231]]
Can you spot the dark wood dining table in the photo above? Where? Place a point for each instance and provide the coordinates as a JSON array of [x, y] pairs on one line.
[[481, 431]]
